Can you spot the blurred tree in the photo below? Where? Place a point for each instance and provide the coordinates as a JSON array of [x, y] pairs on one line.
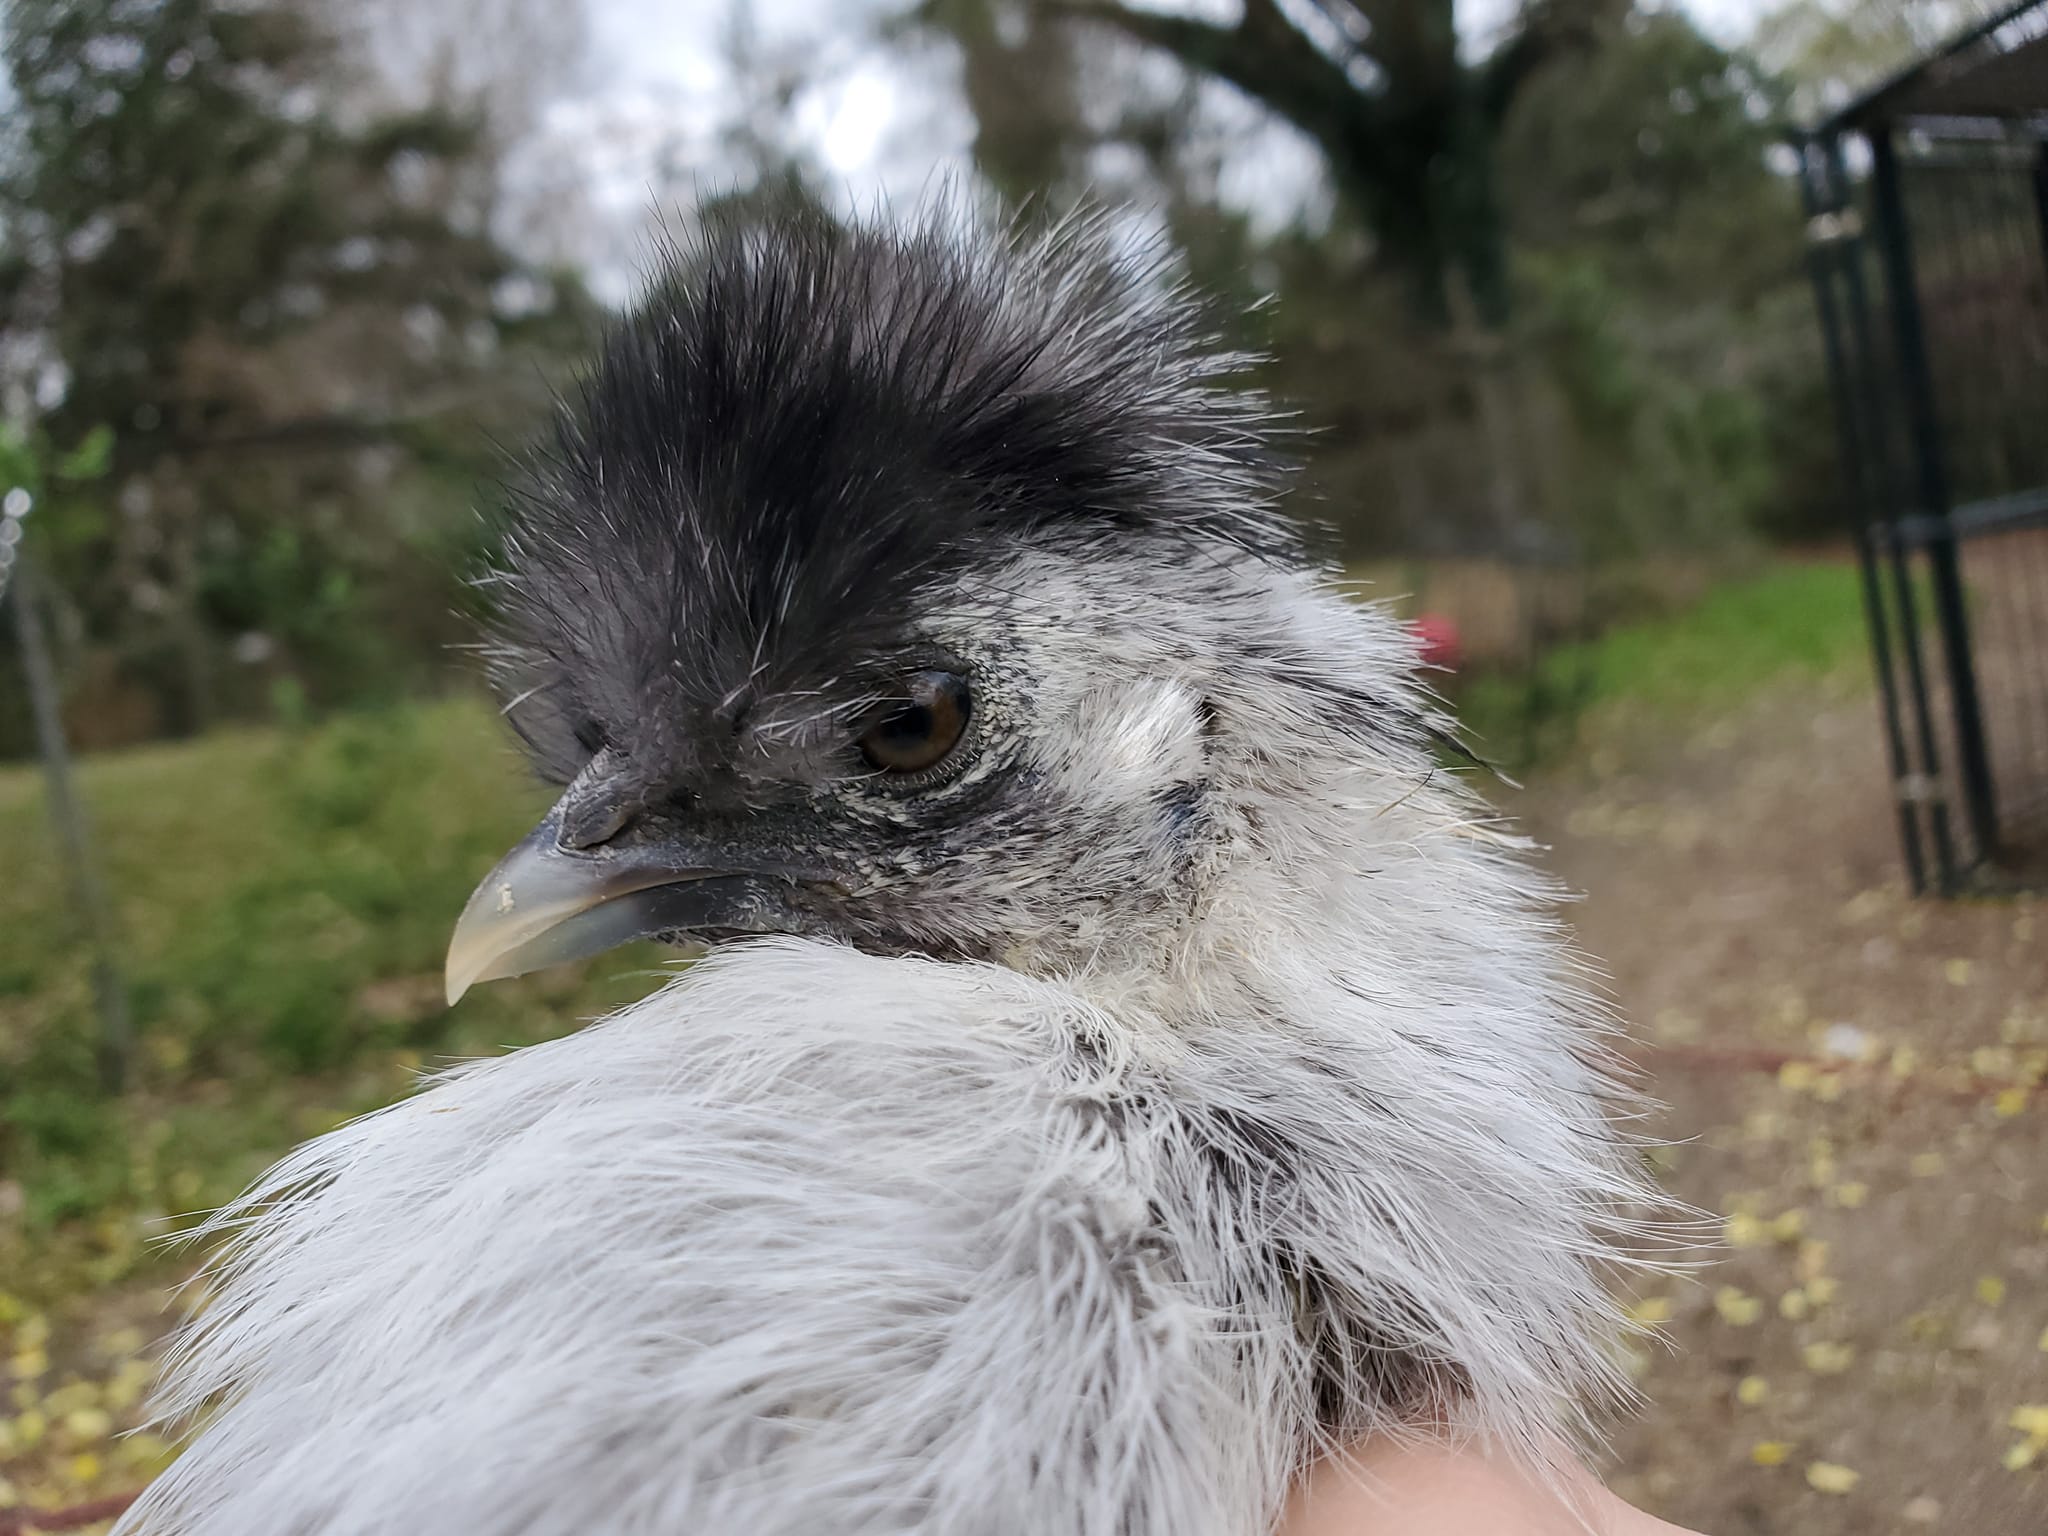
[[1832, 49], [500, 63], [1660, 258], [1408, 123], [273, 300], [500, 66], [764, 83], [1658, 385], [1648, 152], [1018, 73]]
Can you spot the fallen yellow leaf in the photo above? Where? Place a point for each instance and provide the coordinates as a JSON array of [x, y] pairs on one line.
[[1830, 1477], [1752, 1390], [1990, 1290], [87, 1424], [2030, 1419], [1737, 1308], [1828, 1359], [143, 1450], [1635, 1362], [1743, 1230], [129, 1382], [1991, 1061], [1797, 1076], [1770, 1453], [30, 1362], [70, 1397]]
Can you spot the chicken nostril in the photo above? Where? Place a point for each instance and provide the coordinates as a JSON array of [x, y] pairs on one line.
[[594, 821], [600, 804]]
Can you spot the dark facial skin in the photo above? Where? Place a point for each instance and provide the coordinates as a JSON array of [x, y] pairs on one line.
[[830, 823]]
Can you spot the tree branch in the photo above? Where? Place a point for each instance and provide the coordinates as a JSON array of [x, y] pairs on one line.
[[1263, 55], [321, 431], [1548, 32]]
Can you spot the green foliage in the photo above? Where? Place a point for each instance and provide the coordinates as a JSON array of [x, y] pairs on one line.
[[1660, 457], [260, 281], [1659, 387], [1648, 152], [1664, 295], [284, 898], [91, 458], [27, 455], [1789, 620], [1793, 618]]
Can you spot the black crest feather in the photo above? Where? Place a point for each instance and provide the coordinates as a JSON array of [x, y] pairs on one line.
[[803, 422]]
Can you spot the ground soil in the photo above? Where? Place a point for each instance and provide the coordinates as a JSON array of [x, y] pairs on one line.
[[1851, 1089]]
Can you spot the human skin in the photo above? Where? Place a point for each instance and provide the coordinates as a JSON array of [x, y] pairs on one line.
[[1441, 1490]]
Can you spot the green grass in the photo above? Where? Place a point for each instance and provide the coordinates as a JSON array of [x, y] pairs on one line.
[[284, 897], [283, 900], [1790, 620]]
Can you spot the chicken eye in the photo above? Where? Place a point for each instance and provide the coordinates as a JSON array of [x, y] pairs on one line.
[[916, 731]]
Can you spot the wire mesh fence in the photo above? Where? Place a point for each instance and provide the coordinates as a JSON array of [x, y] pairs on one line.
[[1928, 225]]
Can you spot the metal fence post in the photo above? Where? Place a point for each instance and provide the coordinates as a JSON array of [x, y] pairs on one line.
[[2041, 195], [1886, 509], [1973, 761], [1830, 228], [67, 813]]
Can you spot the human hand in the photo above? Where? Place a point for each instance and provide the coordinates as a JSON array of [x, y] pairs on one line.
[[1443, 1490]]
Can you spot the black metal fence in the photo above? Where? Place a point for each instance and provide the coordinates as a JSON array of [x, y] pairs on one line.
[[1927, 207]]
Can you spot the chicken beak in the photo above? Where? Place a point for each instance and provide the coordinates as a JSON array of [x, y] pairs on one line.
[[546, 903]]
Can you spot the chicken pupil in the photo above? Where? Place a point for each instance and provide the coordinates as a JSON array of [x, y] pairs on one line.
[[909, 727]]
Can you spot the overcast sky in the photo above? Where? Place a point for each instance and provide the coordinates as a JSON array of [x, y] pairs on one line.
[[878, 122]]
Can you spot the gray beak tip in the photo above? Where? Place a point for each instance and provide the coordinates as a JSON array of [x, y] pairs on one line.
[[542, 905]]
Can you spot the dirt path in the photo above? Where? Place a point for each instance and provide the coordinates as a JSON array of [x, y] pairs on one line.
[[1852, 1078]]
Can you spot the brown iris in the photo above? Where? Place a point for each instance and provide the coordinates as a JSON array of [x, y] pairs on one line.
[[916, 731]]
